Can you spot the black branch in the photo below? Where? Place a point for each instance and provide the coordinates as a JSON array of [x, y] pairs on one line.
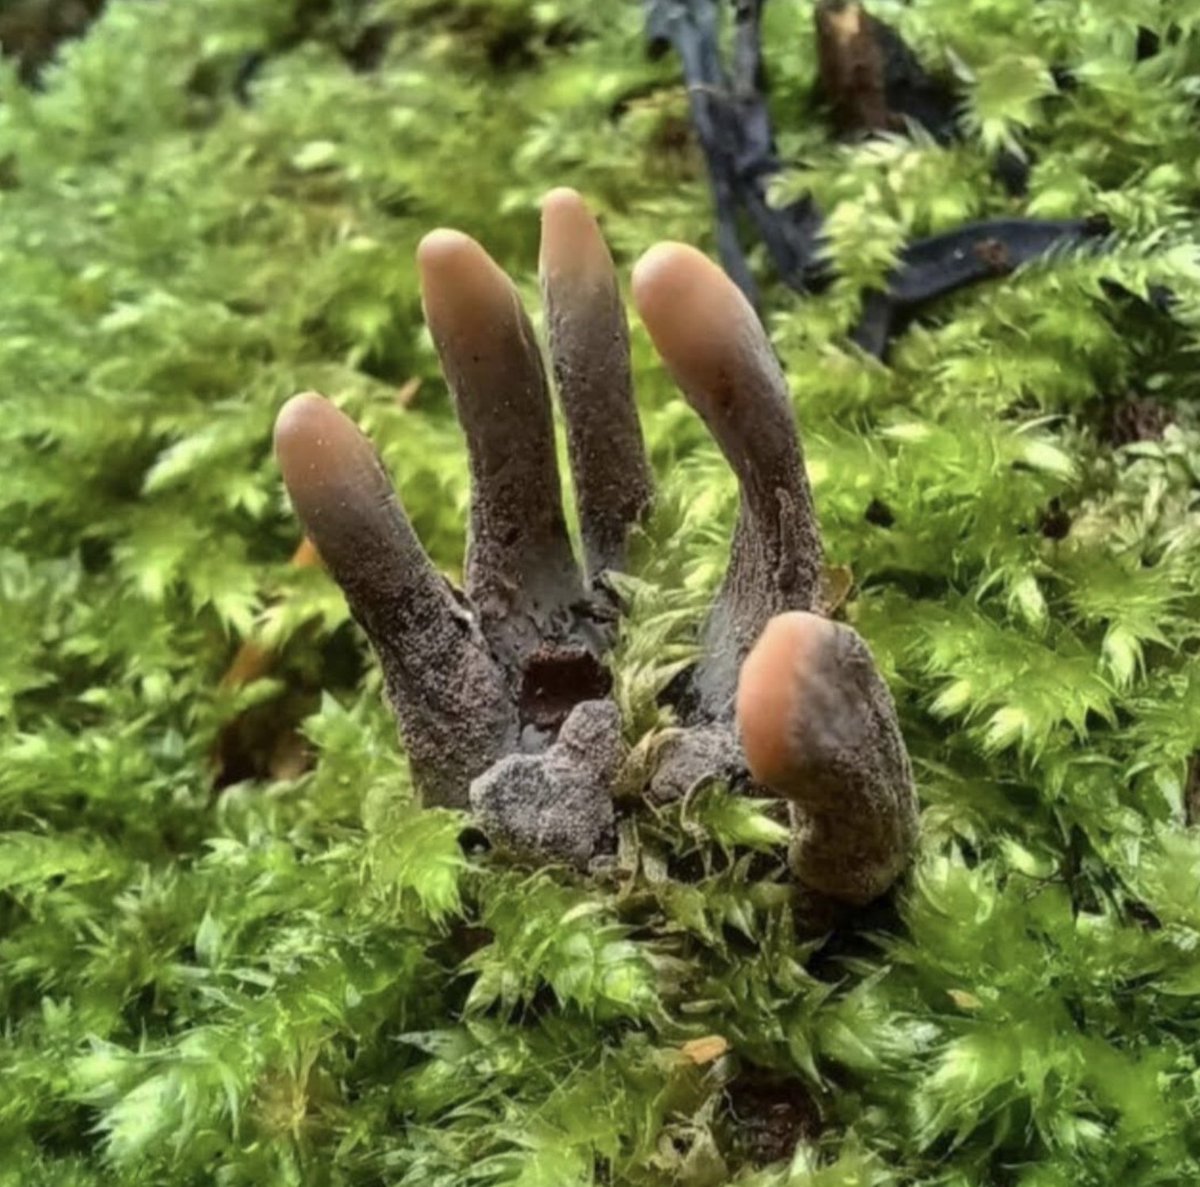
[[874, 83]]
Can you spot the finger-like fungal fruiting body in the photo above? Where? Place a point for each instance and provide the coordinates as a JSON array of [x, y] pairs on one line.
[[501, 691], [520, 574], [449, 694], [589, 349], [714, 346]]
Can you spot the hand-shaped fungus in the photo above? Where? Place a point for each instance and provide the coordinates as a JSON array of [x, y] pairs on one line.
[[501, 691]]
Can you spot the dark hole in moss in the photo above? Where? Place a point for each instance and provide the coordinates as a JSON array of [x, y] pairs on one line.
[[1134, 419], [879, 513], [768, 1117], [1191, 793], [680, 692], [1140, 914], [1055, 522], [69, 1130], [368, 49]]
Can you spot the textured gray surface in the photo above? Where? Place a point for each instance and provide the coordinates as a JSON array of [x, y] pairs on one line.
[[558, 804], [693, 756], [449, 694]]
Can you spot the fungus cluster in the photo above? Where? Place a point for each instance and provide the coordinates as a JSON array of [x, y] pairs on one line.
[[501, 690]]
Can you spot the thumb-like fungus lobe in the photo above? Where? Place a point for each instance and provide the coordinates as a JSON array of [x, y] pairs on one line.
[[345, 500], [817, 722], [466, 295], [713, 344], [449, 695], [589, 349], [818, 727], [776, 694]]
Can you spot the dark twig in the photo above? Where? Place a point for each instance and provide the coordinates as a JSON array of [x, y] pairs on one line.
[[941, 264], [873, 80]]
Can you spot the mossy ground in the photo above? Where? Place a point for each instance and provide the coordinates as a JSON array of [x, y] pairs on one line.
[[231, 949]]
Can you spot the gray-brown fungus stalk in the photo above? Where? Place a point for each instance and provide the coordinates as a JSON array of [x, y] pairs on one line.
[[501, 690]]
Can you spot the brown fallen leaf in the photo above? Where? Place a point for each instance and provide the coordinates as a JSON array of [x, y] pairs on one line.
[[836, 585], [266, 729], [252, 661], [407, 391], [964, 1000], [706, 1049]]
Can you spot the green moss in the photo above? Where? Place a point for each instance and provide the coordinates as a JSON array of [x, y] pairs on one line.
[[304, 978]]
